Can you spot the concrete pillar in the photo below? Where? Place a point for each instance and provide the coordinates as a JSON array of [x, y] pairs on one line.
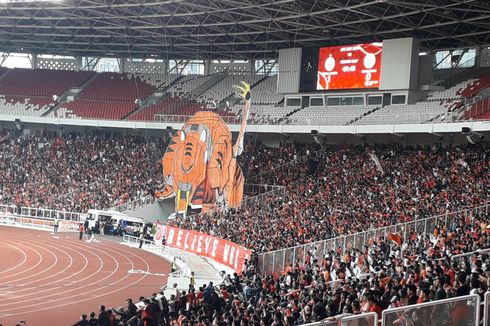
[[34, 63], [122, 66], [78, 63], [252, 66], [207, 67], [166, 67]]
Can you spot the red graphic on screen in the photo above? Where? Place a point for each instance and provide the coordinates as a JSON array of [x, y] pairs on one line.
[[349, 66]]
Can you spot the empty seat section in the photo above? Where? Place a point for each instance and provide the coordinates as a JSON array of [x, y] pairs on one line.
[[121, 87], [20, 105], [36, 82], [95, 109]]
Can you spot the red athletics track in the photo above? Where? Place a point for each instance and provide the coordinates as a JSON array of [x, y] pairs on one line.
[[51, 281]]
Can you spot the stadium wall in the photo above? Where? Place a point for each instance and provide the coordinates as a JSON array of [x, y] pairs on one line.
[[400, 64], [289, 70]]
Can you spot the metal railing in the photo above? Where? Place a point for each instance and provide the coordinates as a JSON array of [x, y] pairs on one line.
[[486, 310], [134, 204], [38, 223], [461, 311], [161, 250], [277, 261], [40, 213], [369, 318], [328, 120]]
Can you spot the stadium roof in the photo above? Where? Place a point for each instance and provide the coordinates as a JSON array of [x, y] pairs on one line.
[[231, 29]]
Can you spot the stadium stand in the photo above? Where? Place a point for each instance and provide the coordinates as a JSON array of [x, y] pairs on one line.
[[159, 81], [479, 110], [19, 105], [223, 88], [330, 115], [148, 112], [420, 112], [353, 188], [112, 96], [264, 92], [99, 171], [120, 87], [349, 191], [96, 109], [386, 275], [37, 82], [187, 84]]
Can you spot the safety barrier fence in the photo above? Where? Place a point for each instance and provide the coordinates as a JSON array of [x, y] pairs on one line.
[[134, 204], [39, 223], [161, 250], [486, 310], [277, 261], [182, 275], [370, 319], [461, 311], [39, 213], [471, 108]]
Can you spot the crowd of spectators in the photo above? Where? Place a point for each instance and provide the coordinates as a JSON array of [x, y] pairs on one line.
[[77, 172], [348, 189], [327, 192], [385, 275]]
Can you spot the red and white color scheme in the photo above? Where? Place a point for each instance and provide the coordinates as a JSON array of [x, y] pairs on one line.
[[349, 66], [222, 251]]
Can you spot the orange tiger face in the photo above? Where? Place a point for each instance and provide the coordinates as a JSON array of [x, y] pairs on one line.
[[196, 165]]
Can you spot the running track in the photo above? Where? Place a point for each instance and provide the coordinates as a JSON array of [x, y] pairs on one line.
[[51, 281]]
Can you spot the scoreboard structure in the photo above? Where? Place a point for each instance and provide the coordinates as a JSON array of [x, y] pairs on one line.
[[378, 66]]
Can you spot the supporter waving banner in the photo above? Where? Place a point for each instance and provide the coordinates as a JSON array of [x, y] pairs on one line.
[[222, 251]]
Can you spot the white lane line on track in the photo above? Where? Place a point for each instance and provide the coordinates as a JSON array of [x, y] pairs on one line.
[[77, 289], [116, 252], [139, 271], [64, 299], [37, 280], [42, 271], [40, 257], [18, 265], [53, 288]]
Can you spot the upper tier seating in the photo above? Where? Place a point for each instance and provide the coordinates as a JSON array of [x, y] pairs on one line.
[[479, 110], [148, 113], [452, 92], [19, 105], [120, 87], [223, 89], [264, 92], [329, 115], [419, 112], [95, 109], [158, 81], [37, 82], [476, 86], [187, 84]]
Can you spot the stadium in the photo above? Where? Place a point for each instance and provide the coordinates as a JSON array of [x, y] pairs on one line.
[[244, 163]]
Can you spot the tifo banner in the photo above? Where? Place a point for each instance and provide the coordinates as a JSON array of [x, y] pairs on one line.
[[222, 251]]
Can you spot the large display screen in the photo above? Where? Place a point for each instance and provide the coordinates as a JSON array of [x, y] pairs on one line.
[[349, 66]]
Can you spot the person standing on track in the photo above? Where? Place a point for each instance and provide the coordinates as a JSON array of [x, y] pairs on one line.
[[173, 267], [142, 239], [56, 224], [81, 228]]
